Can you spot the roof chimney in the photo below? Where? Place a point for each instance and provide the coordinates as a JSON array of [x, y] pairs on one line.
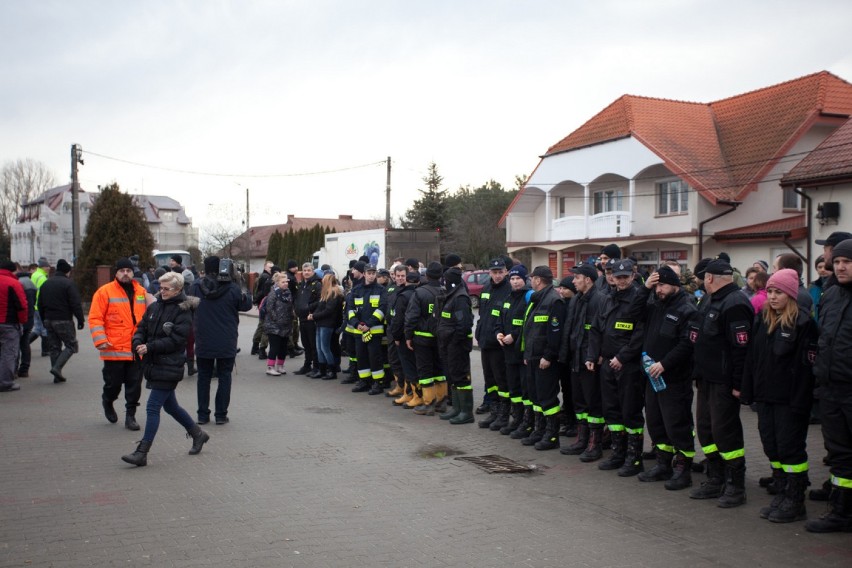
[[345, 217]]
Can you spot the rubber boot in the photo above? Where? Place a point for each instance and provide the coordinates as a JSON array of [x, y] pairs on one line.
[[594, 451], [190, 367], [681, 473], [495, 412], [428, 406], [441, 397], [130, 420], [526, 425], [712, 487], [580, 444], [662, 470], [455, 409], [465, 397], [516, 414], [505, 406], [792, 506], [779, 481], [839, 515], [416, 398], [537, 432], [139, 457], [550, 439], [734, 494], [395, 391], [199, 438], [59, 364], [407, 394], [619, 451]]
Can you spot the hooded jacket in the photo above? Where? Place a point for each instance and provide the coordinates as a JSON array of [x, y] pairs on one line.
[[217, 317]]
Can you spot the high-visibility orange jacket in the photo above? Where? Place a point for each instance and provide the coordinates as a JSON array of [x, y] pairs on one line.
[[111, 319]]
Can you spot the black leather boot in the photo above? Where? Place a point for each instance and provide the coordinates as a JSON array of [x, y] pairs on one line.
[[594, 450], [774, 484], [139, 457], [633, 463], [361, 386], [526, 425], [550, 438], [537, 432], [681, 473], [130, 420], [495, 413], [839, 515], [376, 388], [502, 415], [580, 444], [199, 438], [712, 487], [109, 412], [662, 470], [516, 415], [734, 493], [792, 506], [619, 451], [821, 494]]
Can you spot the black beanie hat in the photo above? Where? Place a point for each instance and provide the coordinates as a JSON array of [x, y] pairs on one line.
[[434, 271], [843, 248], [412, 277], [211, 265], [63, 266], [612, 251], [360, 266], [668, 276], [292, 264], [123, 263], [452, 278], [452, 259]]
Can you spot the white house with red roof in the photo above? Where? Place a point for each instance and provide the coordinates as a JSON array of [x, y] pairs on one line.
[[678, 180]]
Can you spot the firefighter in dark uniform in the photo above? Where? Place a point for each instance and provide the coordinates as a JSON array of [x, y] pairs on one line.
[[615, 344], [491, 301], [585, 383], [366, 315], [455, 342], [396, 330], [668, 317], [393, 365], [834, 375], [567, 419], [421, 328], [542, 337], [509, 328], [606, 257], [350, 334], [720, 336]]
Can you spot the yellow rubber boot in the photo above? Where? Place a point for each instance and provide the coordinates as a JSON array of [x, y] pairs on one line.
[[415, 398], [407, 394]]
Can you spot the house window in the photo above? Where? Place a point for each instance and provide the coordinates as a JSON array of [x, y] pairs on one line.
[[673, 197], [560, 207], [792, 200], [610, 200]]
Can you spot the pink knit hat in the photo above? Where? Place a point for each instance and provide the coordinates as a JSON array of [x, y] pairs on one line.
[[786, 280]]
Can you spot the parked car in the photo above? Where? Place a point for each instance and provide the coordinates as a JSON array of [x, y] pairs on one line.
[[475, 280]]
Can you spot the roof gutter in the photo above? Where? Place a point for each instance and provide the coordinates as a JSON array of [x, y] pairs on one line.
[[733, 207]]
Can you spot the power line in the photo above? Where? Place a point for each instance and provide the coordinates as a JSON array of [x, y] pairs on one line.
[[238, 175]]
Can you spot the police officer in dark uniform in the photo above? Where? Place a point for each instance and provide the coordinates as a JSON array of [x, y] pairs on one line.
[[396, 330], [491, 301], [585, 383], [615, 344], [720, 336], [421, 328], [669, 412], [366, 315], [542, 338], [509, 328], [455, 342]]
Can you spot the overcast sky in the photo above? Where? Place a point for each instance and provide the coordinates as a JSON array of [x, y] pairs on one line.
[[251, 90]]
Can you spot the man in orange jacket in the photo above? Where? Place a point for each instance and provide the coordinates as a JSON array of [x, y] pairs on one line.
[[116, 309]]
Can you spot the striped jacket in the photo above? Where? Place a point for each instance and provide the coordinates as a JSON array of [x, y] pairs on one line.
[[111, 319]]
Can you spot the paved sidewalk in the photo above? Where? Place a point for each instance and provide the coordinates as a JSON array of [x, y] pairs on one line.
[[309, 474]]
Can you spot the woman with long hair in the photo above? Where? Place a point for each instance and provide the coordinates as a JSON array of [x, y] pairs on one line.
[[277, 312], [327, 316], [758, 298], [778, 377]]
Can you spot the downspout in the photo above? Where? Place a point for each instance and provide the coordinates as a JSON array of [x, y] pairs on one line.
[[733, 207], [808, 245]]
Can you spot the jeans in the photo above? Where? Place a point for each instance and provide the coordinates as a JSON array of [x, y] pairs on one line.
[[223, 369], [324, 353], [10, 339], [166, 400]]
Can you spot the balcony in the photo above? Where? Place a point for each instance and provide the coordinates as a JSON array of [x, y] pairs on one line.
[[601, 226]]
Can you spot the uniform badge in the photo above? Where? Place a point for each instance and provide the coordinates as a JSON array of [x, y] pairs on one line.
[[693, 336], [554, 321], [742, 338], [812, 356]]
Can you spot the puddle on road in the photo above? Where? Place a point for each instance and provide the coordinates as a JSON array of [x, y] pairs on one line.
[[437, 452]]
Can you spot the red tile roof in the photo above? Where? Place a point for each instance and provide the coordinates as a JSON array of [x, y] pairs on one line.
[[786, 228], [830, 162], [725, 147]]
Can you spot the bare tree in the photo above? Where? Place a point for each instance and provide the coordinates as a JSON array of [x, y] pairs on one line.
[[21, 181], [219, 239]]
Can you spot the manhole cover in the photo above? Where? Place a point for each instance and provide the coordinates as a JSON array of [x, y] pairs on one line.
[[497, 464]]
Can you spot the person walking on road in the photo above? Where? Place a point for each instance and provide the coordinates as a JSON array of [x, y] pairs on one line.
[[59, 303], [13, 314], [160, 344]]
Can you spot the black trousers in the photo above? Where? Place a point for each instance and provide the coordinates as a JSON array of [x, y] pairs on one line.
[[408, 362], [784, 435], [395, 362], [429, 368], [546, 387], [586, 391], [717, 417], [669, 417], [455, 355], [371, 362], [565, 387], [837, 434], [123, 373], [335, 349], [494, 371], [308, 330], [25, 352], [277, 347], [622, 397], [516, 381]]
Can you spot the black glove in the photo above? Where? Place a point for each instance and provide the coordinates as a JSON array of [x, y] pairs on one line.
[[80, 324]]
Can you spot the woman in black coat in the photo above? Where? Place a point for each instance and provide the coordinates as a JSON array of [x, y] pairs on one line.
[[277, 313], [160, 341]]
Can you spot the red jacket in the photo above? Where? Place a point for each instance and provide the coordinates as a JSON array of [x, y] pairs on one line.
[[13, 301]]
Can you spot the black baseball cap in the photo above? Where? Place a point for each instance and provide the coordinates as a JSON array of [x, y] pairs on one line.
[[622, 267], [496, 264], [586, 270], [835, 238]]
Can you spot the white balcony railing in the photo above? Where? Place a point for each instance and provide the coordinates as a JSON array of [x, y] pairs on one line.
[[601, 226]]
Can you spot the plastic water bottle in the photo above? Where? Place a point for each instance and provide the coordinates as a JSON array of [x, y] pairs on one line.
[[657, 384]]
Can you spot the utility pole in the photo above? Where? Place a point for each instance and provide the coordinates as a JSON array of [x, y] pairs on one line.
[[248, 235], [76, 158], [387, 197]]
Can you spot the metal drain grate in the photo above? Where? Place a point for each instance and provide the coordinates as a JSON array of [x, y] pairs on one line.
[[497, 464]]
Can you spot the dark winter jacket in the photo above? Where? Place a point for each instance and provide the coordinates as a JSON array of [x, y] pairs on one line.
[[307, 296], [619, 329], [368, 305], [544, 325], [278, 312], [667, 326], [511, 322], [59, 299], [456, 317], [30, 293], [491, 301], [164, 329], [217, 319], [833, 369], [262, 288], [582, 311], [329, 313], [396, 324], [421, 321], [779, 365]]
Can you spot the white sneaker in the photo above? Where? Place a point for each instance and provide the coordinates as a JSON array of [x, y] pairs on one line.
[[280, 369], [272, 371]]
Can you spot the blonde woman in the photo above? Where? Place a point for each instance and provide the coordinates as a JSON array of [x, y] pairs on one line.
[[327, 317]]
